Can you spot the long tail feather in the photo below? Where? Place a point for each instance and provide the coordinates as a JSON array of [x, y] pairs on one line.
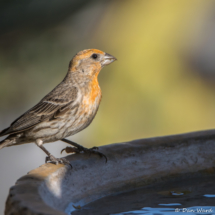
[[6, 142], [4, 132]]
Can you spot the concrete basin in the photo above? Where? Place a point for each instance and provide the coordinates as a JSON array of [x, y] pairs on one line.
[[58, 189]]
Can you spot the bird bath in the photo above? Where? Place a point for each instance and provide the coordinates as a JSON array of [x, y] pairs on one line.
[[143, 173]]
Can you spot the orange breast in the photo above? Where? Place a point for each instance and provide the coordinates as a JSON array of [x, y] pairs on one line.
[[93, 96], [95, 90]]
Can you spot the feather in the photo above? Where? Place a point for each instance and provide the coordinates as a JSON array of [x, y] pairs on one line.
[[61, 97]]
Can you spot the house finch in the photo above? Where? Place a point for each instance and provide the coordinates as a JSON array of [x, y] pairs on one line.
[[67, 109]]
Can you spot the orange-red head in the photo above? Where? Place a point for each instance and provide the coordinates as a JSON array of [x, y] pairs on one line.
[[90, 61]]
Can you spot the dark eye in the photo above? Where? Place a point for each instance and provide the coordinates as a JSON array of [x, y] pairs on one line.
[[94, 56]]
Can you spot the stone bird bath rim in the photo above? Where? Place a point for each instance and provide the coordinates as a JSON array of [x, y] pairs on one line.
[[54, 189]]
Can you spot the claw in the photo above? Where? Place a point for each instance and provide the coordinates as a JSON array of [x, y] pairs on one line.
[[56, 161], [63, 150], [91, 150], [69, 149], [66, 162], [94, 148], [101, 155], [78, 148]]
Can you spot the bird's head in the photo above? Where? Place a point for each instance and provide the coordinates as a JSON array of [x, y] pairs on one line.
[[89, 62]]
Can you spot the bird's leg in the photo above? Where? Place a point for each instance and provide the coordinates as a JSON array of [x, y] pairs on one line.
[[50, 157], [78, 148]]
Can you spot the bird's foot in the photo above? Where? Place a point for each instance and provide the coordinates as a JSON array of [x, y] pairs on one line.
[[57, 161], [79, 149]]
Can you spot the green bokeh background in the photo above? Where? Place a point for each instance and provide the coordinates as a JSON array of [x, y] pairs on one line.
[[161, 84], [151, 90]]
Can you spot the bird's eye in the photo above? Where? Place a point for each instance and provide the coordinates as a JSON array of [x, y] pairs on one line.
[[94, 56]]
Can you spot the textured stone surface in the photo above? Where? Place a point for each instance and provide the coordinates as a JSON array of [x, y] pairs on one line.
[[52, 189]]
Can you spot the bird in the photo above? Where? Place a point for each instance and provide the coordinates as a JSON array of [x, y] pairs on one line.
[[68, 109]]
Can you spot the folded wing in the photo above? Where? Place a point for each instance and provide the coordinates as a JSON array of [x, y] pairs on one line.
[[56, 101]]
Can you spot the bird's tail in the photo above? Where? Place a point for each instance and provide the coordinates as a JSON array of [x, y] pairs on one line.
[[6, 142]]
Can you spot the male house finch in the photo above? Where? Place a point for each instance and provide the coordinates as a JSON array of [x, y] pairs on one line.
[[67, 109]]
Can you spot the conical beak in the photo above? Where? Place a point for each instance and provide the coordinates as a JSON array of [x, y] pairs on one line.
[[108, 59]]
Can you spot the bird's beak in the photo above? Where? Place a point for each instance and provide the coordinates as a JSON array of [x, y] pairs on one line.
[[108, 59]]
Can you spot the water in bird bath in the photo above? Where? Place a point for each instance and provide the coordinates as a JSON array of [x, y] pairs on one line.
[[182, 196], [170, 211]]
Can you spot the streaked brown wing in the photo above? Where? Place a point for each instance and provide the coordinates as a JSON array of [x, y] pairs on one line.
[[59, 99]]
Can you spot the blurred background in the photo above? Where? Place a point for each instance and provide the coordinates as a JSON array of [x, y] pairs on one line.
[[162, 83]]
